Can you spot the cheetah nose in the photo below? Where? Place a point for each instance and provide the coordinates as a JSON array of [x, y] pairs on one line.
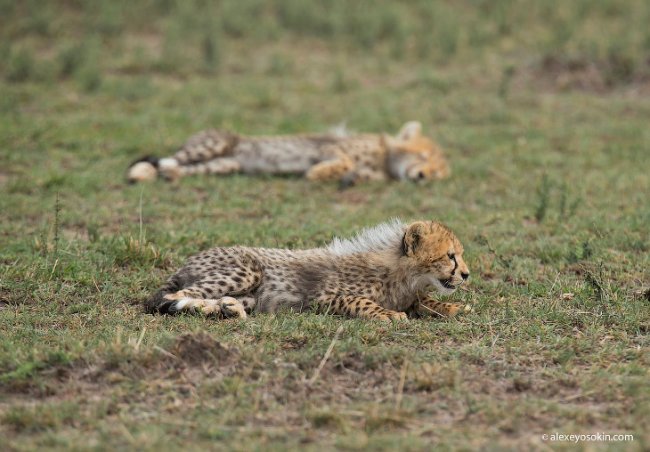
[[464, 276]]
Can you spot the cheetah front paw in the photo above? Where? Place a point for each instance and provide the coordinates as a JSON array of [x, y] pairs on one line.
[[452, 309], [456, 309], [444, 309], [393, 316]]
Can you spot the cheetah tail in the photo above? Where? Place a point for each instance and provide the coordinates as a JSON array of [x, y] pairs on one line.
[[158, 304]]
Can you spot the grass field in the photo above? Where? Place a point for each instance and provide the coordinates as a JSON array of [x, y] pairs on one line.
[[543, 110]]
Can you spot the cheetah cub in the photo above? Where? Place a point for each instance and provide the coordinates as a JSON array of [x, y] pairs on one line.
[[383, 273], [335, 156]]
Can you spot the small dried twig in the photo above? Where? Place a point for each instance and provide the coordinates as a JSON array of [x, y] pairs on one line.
[[494, 341], [57, 211], [326, 356], [126, 432], [56, 262], [577, 396], [141, 236], [165, 352], [400, 386], [431, 310], [137, 344]]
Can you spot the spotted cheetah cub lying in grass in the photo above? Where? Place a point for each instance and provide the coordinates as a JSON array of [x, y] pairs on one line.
[[383, 273], [409, 155]]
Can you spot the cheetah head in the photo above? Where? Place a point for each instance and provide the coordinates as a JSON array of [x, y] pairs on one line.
[[412, 156], [436, 256]]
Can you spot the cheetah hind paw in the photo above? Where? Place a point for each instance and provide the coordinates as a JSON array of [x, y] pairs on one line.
[[169, 169], [231, 307]]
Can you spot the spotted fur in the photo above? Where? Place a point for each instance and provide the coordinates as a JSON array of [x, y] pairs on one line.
[[334, 156], [382, 273]]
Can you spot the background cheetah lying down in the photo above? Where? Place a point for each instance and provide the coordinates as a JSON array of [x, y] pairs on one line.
[[348, 158], [383, 273]]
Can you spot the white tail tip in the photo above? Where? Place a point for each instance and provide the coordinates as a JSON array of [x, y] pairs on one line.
[[142, 172]]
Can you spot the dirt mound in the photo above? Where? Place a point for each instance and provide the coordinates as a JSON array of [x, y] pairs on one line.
[[196, 348], [585, 74], [575, 74]]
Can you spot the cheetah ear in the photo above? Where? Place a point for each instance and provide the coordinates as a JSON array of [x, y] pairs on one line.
[[411, 239], [410, 130], [389, 142]]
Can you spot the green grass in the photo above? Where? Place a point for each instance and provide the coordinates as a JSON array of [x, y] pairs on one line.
[[544, 119]]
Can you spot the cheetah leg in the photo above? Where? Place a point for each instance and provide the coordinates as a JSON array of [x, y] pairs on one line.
[[212, 297], [361, 175], [232, 280], [199, 149], [224, 307], [332, 169], [440, 308], [205, 146], [361, 307]]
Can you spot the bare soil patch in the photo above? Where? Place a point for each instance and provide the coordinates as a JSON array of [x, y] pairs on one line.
[[583, 74]]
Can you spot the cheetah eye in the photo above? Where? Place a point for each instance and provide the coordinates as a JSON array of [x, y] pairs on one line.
[[452, 256]]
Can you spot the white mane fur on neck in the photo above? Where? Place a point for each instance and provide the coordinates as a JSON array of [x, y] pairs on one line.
[[384, 236]]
